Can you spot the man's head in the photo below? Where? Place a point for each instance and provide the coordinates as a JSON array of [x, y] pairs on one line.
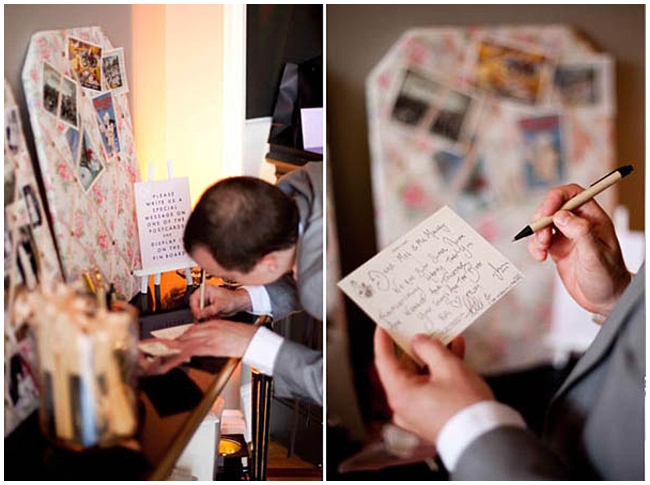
[[243, 229]]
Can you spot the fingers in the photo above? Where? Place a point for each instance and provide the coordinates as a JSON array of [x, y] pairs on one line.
[[198, 331], [571, 226], [556, 198], [581, 220], [212, 310], [172, 362], [430, 351], [153, 366], [539, 244], [194, 304], [457, 346], [388, 366], [147, 365], [407, 363], [159, 346]]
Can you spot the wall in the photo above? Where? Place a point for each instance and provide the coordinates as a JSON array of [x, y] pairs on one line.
[[21, 21], [359, 35], [195, 93], [178, 91], [275, 35], [256, 134], [174, 60], [149, 82], [181, 79]]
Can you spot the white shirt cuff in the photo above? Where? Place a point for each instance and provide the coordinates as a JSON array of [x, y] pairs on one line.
[[468, 424], [260, 301], [263, 350]]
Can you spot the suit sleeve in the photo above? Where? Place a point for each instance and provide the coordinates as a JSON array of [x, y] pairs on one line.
[[283, 294], [594, 426], [509, 453], [298, 372]]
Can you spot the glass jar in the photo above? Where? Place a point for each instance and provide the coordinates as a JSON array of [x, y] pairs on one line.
[[87, 371]]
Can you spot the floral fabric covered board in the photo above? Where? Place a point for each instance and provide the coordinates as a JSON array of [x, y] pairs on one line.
[[30, 257], [486, 120], [79, 111]]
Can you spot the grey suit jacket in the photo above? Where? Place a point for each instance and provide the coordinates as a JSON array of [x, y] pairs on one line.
[[298, 370], [305, 186], [595, 423]]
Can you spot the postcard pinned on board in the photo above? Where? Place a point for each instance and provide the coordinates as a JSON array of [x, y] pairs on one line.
[[437, 279], [114, 70]]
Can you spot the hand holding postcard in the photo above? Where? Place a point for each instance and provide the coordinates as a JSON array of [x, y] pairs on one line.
[[437, 279]]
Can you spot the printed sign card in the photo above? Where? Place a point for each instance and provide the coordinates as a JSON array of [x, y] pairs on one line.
[[437, 279], [163, 208]]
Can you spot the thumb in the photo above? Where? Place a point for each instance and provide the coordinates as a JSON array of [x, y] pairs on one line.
[[571, 226], [431, 352], [457, 346], [386, 362], [213, 309], [172, 362]]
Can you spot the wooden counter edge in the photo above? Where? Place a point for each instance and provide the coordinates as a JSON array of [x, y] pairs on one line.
[[166, 465]]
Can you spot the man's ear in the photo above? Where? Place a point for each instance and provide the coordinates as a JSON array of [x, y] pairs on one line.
[[269, 262]]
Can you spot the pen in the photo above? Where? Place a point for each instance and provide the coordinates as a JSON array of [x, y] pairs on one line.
[[592, 191], [202, 290]]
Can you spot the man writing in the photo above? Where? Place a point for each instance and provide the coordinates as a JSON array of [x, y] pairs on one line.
[[594, 427], [255, 234]]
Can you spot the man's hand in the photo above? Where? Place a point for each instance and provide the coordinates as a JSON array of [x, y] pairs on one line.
[[585, 250], [219, 302], [218, 338], [168, 355], [424, 402]]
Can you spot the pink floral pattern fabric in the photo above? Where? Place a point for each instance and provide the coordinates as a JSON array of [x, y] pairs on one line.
[[94, 221], [21, 384], [421, 160]]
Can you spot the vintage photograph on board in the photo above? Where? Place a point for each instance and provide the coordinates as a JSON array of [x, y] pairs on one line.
[[85, 63]]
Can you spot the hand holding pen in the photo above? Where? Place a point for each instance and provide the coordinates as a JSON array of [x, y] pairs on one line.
[[577, 200], [584, 249]]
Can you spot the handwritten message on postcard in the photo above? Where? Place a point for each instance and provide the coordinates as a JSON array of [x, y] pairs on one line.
[[437, 279]]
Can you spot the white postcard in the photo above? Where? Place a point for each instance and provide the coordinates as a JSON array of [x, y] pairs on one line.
[[172, 333], [114, 70], [437, 279]]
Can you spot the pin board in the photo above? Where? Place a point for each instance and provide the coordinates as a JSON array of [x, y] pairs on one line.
[[76, 91], [30, 257], [486, 120]]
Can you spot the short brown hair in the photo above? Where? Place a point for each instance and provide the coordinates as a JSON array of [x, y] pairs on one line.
[[239, 220]]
